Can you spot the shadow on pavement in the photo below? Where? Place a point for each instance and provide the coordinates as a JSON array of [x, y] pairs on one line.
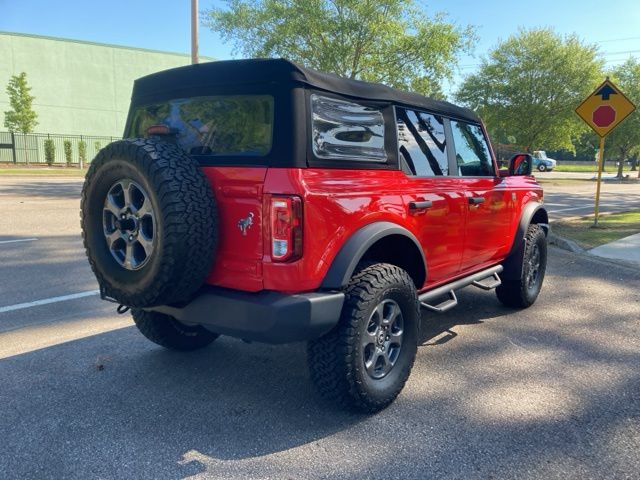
[[549, 391], [54, 189], [117, 399], [49, 266]]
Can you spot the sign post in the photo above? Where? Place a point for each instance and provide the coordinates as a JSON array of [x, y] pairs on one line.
[[600, 168], [194, 32], [603, 111]]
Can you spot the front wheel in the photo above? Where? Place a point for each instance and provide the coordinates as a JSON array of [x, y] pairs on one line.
[[523, 292], [542, 167], [364, 362]]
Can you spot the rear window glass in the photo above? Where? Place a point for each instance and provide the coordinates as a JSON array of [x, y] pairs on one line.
[[346, 130], [226, 125]]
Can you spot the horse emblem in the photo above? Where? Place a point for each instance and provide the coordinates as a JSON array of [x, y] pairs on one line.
[[245, 223]]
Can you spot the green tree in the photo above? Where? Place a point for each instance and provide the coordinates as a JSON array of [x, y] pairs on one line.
[[67, 152], [623, 142], [388, 41], [529, 86], [49, 151], [82, 153], [21, 118]]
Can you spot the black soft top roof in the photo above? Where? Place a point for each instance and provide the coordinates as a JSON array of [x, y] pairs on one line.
[[281, 72]]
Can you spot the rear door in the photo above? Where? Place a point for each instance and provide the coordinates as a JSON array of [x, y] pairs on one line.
[[435, 203], [489, 204]]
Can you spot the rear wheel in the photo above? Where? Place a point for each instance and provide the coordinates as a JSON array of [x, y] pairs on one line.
[[523, 292], [364, 362], [542, 167], [168, 332]]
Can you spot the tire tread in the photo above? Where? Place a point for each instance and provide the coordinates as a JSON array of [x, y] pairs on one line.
[[514, 293], [331, 358]]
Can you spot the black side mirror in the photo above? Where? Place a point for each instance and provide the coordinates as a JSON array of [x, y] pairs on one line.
[[520, 164]]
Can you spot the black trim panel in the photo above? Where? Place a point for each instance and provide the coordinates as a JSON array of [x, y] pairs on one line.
[[355, 248], [513, 263], [269, 317]]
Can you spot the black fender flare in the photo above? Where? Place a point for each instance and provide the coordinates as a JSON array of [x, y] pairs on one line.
[[357, 245], [513, 263]]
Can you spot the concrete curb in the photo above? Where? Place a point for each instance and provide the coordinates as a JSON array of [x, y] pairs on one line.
[[565, 243], [571, 246]]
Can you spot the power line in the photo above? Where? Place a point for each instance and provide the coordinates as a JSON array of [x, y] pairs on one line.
[[622, 52], [618, 39], [604, 54]]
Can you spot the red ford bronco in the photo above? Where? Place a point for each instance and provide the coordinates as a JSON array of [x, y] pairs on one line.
[[274, 203]]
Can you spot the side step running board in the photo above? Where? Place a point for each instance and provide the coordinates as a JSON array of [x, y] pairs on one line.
[[490, 285], [486, 279], [442, 307]]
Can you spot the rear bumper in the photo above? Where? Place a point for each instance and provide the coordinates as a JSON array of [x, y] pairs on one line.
[[268, 317]]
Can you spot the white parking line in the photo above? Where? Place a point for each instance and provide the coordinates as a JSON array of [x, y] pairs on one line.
[[18, 240], [46, 301]]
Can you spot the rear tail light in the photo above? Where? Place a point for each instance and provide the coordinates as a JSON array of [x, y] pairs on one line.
[[286, 228]]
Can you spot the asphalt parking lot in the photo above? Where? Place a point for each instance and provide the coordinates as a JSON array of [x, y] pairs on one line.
[[552, 391]]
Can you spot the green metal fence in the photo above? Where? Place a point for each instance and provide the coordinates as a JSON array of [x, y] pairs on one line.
[[29, 148]]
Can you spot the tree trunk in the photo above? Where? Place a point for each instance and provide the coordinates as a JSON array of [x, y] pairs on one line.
[[634, 163], [620, 168]]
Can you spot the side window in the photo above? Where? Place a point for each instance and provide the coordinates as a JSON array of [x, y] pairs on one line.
[[422, 143], [346, 130], [472, 152]]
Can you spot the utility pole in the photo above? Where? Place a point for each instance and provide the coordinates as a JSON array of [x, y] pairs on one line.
[[194, 31]]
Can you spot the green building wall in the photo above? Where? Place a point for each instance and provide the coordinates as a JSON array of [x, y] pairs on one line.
[[80, 88]]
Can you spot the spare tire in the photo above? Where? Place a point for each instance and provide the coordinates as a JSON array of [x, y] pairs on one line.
[[149, 222]]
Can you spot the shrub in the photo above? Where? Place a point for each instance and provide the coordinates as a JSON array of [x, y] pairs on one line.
[[67, 151], [82, 152], [97, 146], [49, 151]]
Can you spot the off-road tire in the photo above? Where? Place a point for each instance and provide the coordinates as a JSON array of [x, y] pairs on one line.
[[185, 214], [336, 360], [522, 293], [167, 332]]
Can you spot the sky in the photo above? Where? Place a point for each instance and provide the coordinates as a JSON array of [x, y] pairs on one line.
[[613, 25]]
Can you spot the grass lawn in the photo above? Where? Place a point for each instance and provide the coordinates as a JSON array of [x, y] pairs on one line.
[[609, 168], [68, 172], [610, 227], [563, 181]]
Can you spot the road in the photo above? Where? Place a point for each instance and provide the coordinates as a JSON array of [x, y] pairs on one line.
[[566, 199], [549, 392]]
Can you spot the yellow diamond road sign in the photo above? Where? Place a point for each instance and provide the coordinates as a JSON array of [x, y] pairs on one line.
[[605, 108]]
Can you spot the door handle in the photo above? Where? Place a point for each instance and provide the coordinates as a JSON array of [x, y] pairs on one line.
[[476, 200], [423, 205]]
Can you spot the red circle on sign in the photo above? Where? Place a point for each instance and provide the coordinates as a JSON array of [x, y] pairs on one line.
[[603, 116]]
